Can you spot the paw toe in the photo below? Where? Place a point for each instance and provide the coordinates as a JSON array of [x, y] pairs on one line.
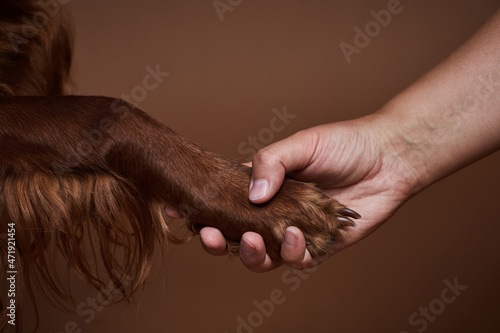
[[346, 222], [349, 212]]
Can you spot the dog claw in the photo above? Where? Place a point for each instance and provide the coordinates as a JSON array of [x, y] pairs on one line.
[[349, 212], [346, 221]]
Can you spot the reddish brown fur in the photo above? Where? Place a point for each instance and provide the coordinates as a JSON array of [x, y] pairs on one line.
[[87, 178]]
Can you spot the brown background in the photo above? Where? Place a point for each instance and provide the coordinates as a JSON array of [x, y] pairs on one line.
[[225, 79]]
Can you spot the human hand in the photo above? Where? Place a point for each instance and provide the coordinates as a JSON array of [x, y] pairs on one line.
[[351, 161], [443, 122]]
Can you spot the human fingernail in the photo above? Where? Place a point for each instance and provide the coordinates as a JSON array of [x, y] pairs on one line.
[[172, 213], [290, 237], [258, 189], [246, 247]]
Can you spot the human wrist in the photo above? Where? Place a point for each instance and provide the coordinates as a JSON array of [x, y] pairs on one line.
[[405, 146]]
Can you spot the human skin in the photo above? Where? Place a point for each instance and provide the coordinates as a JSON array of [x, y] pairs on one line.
[[445, 121]]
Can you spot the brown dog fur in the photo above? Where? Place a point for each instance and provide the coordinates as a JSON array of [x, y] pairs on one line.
[[88, 178]]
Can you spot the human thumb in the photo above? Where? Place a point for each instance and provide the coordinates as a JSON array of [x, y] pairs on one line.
[[271, 163]]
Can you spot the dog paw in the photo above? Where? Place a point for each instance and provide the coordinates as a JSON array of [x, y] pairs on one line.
[[322, 220]]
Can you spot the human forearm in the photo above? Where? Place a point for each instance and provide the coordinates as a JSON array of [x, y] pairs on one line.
[[451, 116]]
